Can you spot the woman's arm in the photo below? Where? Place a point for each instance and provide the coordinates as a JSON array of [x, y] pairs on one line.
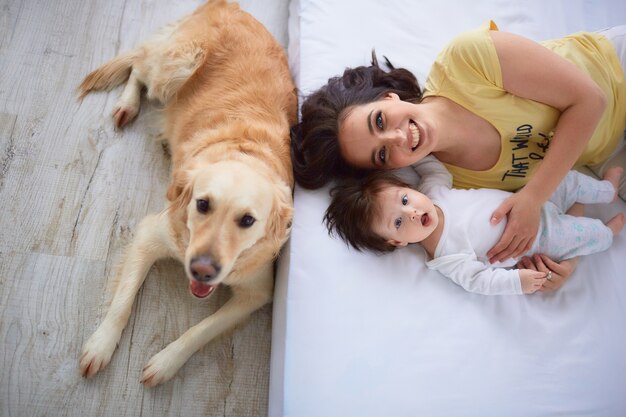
[[532, 71]]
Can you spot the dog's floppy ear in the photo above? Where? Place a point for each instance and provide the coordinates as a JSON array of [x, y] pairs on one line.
[[281, 215], [180, 190]]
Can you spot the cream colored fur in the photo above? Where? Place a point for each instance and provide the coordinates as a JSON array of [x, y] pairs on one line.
[[228, 103]]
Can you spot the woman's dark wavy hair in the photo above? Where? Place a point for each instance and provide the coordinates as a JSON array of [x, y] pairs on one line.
[[314, 146], [353, 210]]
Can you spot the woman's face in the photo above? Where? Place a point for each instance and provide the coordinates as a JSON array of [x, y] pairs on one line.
[[388, 133]]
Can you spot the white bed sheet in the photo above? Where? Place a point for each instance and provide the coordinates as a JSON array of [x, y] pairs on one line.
[[356, 334]]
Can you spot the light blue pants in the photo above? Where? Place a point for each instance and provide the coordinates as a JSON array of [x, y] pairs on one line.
[[562, 236]]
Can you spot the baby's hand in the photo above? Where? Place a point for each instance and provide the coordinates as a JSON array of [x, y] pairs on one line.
[[531, 280]]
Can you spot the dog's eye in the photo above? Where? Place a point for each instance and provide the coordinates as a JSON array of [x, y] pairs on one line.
[[202, 206], [247, 221]]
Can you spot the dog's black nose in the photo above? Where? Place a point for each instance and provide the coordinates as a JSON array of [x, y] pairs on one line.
[[204, 269]]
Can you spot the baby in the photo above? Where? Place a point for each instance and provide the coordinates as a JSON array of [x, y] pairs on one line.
[[381, 213]]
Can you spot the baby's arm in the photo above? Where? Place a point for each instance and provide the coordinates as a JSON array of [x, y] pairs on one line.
[[475, 276]]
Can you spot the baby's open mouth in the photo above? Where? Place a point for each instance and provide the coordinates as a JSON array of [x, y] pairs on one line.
[[415, 135], [425, 219]]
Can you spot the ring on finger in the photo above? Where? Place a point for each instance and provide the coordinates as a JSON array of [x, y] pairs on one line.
[[549, 276]]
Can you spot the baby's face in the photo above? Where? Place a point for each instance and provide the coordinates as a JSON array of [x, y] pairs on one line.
[[405, 216]]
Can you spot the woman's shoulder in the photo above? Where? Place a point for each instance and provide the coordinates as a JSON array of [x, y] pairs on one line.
[[470, 43], [470, 57]]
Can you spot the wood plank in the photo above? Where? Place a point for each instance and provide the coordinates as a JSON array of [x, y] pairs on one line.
[[43, 316], [7, 145]]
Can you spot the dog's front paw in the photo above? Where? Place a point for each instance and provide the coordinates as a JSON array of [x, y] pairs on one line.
[[97, 351], [163, 365]]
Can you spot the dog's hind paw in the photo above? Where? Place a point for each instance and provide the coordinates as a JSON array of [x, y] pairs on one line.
[[122, 115], [97, 352], [163, 365]]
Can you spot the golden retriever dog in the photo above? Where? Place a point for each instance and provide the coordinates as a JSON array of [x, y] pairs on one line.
[[228, 102]]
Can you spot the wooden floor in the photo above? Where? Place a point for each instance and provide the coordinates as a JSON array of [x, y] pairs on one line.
[[72, 191]]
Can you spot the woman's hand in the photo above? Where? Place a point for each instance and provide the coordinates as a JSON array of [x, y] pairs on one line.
[[561, 271], [523, 214]]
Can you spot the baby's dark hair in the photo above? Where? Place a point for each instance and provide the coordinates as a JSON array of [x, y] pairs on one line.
[[315, 151], [354, 208]]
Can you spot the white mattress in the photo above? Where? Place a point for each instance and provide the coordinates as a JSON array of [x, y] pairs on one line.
[[355, 334]]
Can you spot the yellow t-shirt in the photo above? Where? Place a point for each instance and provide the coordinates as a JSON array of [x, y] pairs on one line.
[[468, 72]]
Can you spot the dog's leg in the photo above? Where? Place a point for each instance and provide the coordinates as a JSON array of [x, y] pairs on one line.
[[127, 106], [172, 68], [148, 245], [244, 302]]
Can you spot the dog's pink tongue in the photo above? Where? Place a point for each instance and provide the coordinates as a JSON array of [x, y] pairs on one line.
[[199, 289]]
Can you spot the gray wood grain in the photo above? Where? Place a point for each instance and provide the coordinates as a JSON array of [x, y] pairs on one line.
[[72, 191]]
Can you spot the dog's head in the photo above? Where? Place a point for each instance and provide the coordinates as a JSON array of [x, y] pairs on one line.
[[236, 217]]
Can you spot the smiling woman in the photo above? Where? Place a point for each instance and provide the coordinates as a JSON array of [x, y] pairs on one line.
[[484, 89]]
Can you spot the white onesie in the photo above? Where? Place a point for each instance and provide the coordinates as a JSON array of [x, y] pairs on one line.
[[468, 234]]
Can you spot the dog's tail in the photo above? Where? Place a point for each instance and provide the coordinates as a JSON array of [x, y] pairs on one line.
[[110, 75]]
